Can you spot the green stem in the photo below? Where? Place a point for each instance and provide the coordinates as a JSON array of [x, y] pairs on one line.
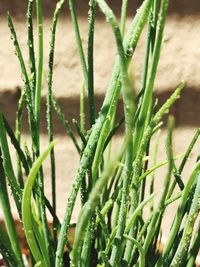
[[123, 17], [79, 132], [78, 41], [7, 164], [184, 244], [82, 108], [31, 232], [49, 112], [41, 199], [65, 123], [194, 250], [154, 164], [140, 248], [39, 67], [18, 124], [10, 225], [136, 213], [16, 144], [6, 250], [31, 49], [91, 102]]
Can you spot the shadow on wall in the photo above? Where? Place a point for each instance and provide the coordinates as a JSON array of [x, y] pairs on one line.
[[185, 110], [18, 7]]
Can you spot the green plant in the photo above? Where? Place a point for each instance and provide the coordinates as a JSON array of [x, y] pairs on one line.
[[111, 229]]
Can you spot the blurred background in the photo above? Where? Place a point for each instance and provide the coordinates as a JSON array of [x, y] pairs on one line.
[[180, 59]]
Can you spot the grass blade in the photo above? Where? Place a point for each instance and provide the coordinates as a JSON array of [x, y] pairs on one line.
[[184, 244], [31, 49], [16, 145], [49, 111], [27, 215], [39, 67], [6, 250], [79, 132], [78, 41], [91, 102], [9, 222], [82, 109], [194, 250], [123, 16], [7, 164], [65, 123], [133, 216], [140, 248]]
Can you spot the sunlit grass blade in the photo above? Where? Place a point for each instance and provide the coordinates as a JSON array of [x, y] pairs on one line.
[[27, 215], [140, 248], [18, 132], [90, 59], [82, 109], [155, 155], [38, 89], [49, 110], [123, 16], [133, 216], [151, 170]]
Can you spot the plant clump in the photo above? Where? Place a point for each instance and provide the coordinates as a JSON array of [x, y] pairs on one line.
[[111, 229]]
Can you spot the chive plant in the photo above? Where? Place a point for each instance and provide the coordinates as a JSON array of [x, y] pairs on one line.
[[111, 229]]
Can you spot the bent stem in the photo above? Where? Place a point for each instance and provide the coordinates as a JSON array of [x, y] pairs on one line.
[[34, 239]]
